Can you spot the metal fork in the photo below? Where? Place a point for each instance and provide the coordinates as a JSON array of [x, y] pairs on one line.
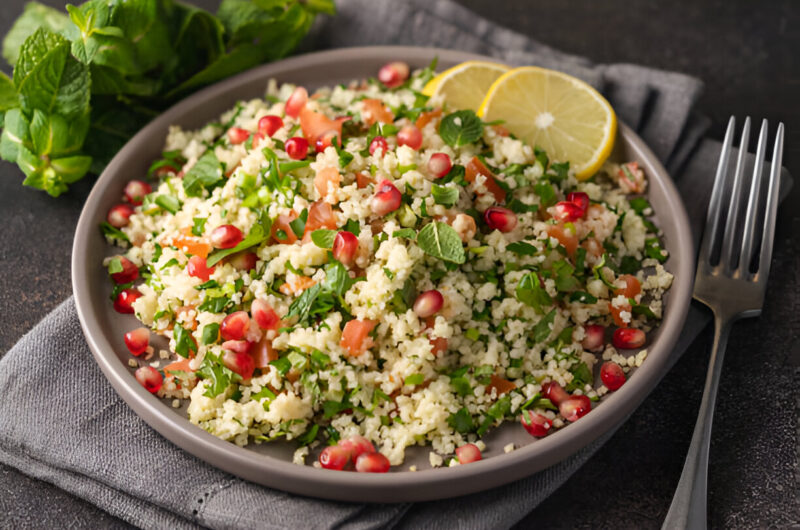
[[731, 279]]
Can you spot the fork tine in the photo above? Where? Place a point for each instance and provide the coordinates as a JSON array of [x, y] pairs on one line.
[[765, 257], [734, 206], [713, 217], [749, 233]]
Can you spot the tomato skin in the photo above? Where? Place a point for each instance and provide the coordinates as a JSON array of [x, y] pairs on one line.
[[320, 215], [474, 168], [502, 386], [373, 110], [325, 179], [281, 223], [426, 117], [566, 237], [632, 286], [355, 336]]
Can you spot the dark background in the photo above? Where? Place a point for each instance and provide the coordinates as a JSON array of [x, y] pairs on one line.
[[746, 53]]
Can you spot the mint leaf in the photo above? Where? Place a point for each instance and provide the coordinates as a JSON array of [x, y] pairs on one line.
[[169, 203], [203, 175], [439, 240], [546, 193], [530, 291], [581, 376], [461, 421], [8, 94], [34, 17], [522, 248], [461, 128], [184, 343], [16, 135], [408, 233], [301, 305], [542, 328], [444, 195], [323, 238], [258, 234]]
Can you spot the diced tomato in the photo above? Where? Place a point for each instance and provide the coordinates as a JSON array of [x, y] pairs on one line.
[[326, 179], [320, 215], [474, 168], [355, 336], [363, 180], [438, 345], [426, 117], [190, 244], [263, 352], [281, 223], [373, 110], [632, 286], [615, 314], [181, 365], [592, 247], [297, 285], [315, 124], [500, 130], [501, 385], [565, 236]]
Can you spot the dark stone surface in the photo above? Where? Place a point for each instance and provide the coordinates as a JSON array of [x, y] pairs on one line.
[[747, 55]]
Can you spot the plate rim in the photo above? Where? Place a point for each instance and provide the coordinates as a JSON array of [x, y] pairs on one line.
[[405, 486]]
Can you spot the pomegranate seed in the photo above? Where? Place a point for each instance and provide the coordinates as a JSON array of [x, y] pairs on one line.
[[334, 457], [575, 407], [296, 102], [428, 303], [372, 463], [554, 392], [149, 377], [345, 246], [237, 346], [119, 215], [257, 139], [264, 316], [579, 198], [357, 446], [387, 198], [440, 164], [226, 236], [243, 261], [567, 211], [237, 135], [138, 340], [411, 136], [296, 147], [269, 125], [536, 424], [325, 140], [135, 191], [468, 453], [612, 375], [499, 218], [240, 363], [125, 299], [393, 74], [234, 326], [128, 273], [198, 268], [379, 142], [628, 338], [594, 338]]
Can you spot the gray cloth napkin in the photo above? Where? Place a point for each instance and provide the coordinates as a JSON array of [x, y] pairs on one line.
[[61, 421]]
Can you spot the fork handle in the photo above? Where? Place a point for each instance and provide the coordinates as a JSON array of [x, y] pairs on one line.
[[688, 508]]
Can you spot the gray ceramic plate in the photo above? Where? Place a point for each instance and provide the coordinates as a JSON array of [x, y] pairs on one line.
[[270, 464]]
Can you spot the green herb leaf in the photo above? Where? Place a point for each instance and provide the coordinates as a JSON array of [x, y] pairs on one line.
[[461, 421], [34, 17], [444, 195], [204, 174], [298, 225], [581, 376], [323, 238], [582, 297], [439, 240], [541, 331], [461, 128], [652, 249], [184, 343], [414, 379], [258, 234], [210, 333], [198, 226], [115, 266], [530, 291], [522, 248], [169, 203], [546, 193], [639, 204], [113, 233], [301, 305], [309, 436]]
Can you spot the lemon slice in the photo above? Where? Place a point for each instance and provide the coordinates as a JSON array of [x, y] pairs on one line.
[[464, 85], [557, 112]]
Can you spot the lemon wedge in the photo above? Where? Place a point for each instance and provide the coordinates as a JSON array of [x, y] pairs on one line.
[[557, 112], [464, 85]]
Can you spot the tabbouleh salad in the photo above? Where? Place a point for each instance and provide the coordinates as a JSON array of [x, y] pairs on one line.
[[366, 267]]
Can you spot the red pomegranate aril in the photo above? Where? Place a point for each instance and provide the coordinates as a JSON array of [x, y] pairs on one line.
[[243, 261], [357, 446], [237, 346], [468, 453], [379, 142], [296, 102], [345, 246], [334, 457], [440, 165], [372, 463], [428, 303], [612, 375], [269, 125], [325, 140], [536, 424], [119, 215], [296, 147], [594, 337], [554, 392], [240, 363], [263, 314], [579, 199], [128, 273], [499, 218], [411, 136], [387, 198], [575, 407], [198, 267], [237, 135], [226, 236], [234, 326], [137, 340], [257, 139], [567, 212], [628, 338], [123, 303], [149, 378], [393, 74], [135, 191]]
